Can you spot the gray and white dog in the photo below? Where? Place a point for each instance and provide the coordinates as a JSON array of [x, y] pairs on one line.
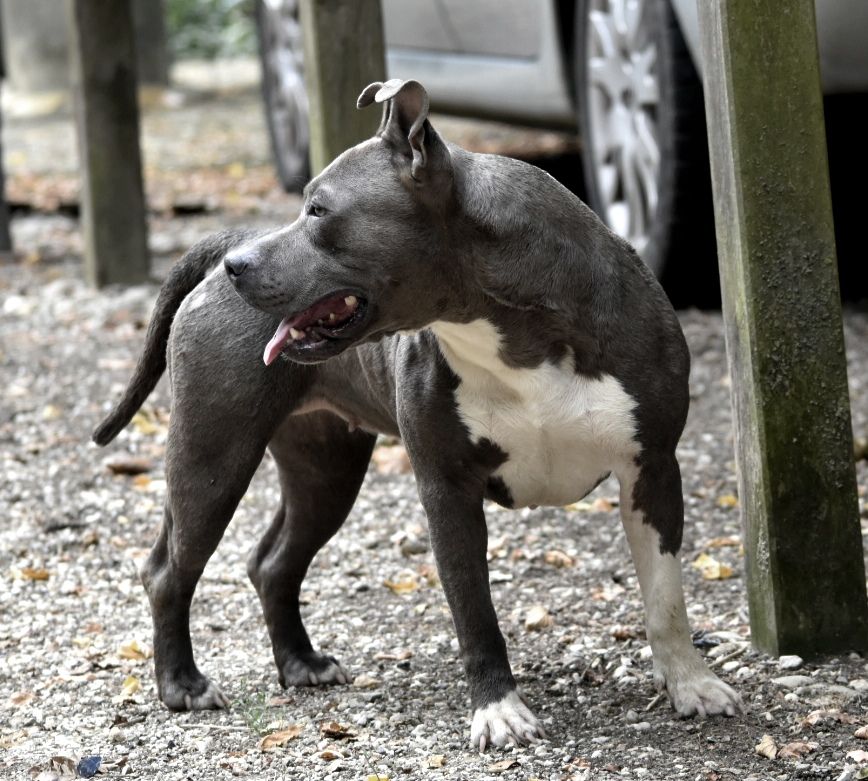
[[470, 305]]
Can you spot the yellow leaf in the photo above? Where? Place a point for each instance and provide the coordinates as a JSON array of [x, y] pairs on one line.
[[437, 760], [401, 586], [144, 423], [376, 777], [51, 412], [861, 733], [602, 505], [711, 569], [130, 687], [727, 500], [281, 737], [558, 559], [132, 650], [34, 573], [766, 747]]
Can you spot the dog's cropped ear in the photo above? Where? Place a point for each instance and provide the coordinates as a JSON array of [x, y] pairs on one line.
[[405, 120]]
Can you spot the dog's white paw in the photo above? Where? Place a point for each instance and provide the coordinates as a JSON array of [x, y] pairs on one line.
[[696, 691], [507, 721]]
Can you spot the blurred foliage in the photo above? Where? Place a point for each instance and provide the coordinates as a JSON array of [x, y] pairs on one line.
[[211, 28]]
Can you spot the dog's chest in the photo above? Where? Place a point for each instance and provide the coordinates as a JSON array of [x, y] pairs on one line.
[[561, 432]]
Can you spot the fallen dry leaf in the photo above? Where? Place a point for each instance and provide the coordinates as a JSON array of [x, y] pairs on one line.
[[332, 729], [403, 586], [281, 737], [329, 755], [537, 617], [130, 686], [503, 765], [12, 739], [394, 656], [861, 733], [146, 423], [364, 681], [727, 500], [435, 761], [128, 465], [710, 568], [132, 650], [797, 749], [766, 747], [858, 755], [21, 698], [559, 559], [733, 541], [33, 573], [822, 716], [376, 777]]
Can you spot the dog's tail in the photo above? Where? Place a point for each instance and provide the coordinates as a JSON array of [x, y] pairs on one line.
[[185, 275]]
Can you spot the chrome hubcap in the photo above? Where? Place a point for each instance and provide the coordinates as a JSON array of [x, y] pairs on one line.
[[284, 62], [624, 92]]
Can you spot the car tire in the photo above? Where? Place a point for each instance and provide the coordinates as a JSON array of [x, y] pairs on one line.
[[284, 94], [674, 234]]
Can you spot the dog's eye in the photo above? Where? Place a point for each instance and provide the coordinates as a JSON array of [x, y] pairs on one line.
[[315, 210]]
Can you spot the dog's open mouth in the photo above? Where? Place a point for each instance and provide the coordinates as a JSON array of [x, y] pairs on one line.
[[315, 332]]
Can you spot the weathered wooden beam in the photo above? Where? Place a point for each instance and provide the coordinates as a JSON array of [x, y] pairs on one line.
[[343, 53], [5, 238], [103, 71], [805, 572]]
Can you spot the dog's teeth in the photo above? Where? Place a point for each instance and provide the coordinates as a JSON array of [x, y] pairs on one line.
[[332, 317], [296, 334], [351, 301]]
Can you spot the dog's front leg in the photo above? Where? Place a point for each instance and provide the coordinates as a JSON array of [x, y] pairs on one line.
[[459, 540], [652, 512]]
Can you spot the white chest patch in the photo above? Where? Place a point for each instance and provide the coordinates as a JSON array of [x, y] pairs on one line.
[[562, 432]]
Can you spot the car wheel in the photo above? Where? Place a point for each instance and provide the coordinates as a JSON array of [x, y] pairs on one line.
[[284, 93], [642, 119]]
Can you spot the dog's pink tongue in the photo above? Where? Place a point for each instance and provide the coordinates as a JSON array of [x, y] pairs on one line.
[[273, 348]]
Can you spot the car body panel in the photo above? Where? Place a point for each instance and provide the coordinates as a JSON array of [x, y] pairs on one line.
[[505, 59], [842, 37], [531, 87]]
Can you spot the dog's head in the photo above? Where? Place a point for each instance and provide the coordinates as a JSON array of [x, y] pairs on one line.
[[365, 256]]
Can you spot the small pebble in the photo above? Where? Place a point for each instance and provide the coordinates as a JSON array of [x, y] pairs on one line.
[[790, 662]]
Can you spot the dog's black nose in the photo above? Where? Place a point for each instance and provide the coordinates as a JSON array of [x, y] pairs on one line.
[[236, 264]]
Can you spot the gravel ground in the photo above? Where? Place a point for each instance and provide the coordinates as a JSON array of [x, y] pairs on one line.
[[75, 668]]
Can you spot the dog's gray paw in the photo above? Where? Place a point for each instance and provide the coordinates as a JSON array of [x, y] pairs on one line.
[[196, 694], [507, 721], [313, 669], [696, 691]]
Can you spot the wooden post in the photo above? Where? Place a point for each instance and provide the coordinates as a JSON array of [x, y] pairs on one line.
[[5, 238], [104, 87], [343, 53], [805, 573]]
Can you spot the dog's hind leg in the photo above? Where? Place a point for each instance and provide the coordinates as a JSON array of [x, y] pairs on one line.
[[652, 512], [321, 467], [208, 468]]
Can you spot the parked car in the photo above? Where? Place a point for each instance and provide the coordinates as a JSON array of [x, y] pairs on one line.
[[624, 74]]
